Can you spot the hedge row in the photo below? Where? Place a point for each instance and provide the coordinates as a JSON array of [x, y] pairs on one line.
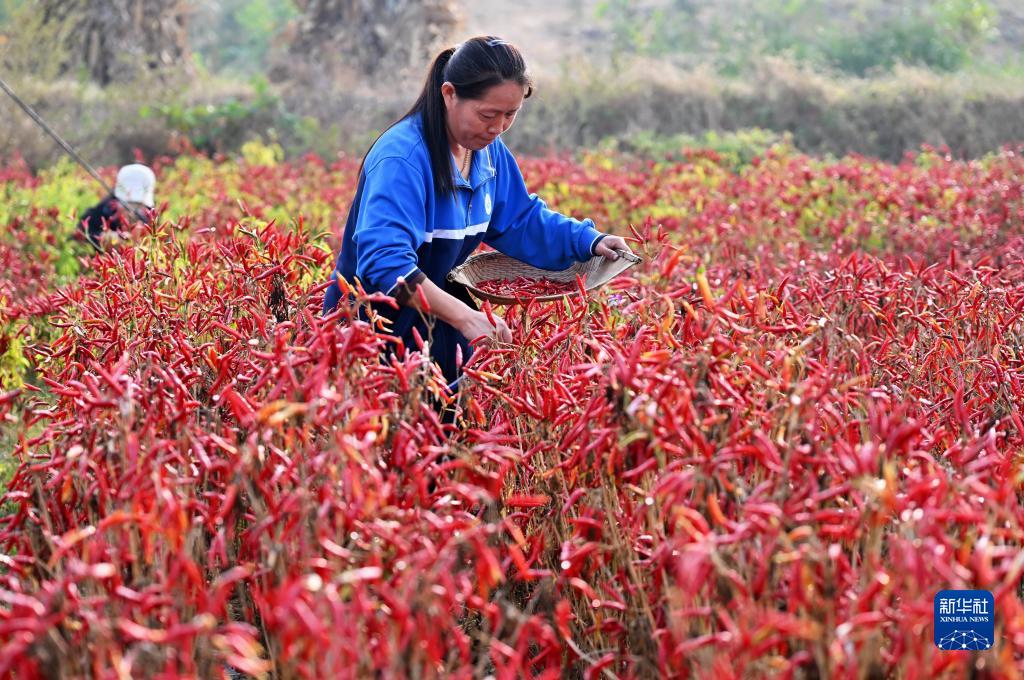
[[882, 117]]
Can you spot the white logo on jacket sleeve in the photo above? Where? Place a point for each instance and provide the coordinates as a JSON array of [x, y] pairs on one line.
[[487, 203]]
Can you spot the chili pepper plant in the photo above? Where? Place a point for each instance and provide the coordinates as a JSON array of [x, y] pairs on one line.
[[761, 452]]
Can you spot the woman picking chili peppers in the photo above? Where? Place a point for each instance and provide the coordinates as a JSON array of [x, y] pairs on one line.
[[439, 182], [111, 219]]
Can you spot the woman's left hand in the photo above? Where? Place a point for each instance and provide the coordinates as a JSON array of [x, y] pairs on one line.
[[609, 244]]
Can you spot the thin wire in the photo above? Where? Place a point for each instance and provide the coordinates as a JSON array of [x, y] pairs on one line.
[[64, 145]]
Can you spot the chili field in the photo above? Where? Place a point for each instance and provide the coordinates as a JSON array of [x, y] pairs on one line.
[[760, 452]]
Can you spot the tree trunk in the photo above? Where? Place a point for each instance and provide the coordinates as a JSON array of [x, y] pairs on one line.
[[374, 38], [114, 40]]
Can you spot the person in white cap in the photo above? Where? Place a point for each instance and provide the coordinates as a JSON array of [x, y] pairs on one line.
[[111, 218]]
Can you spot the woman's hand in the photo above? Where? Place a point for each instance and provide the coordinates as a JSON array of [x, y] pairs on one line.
[[477, 324], [609, 244], [470, 322], [111, 237]]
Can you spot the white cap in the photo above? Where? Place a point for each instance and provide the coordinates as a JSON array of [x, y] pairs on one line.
[[135, 184]]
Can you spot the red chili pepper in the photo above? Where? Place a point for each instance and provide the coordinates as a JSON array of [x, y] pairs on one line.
[[487, 311], [422, 297]]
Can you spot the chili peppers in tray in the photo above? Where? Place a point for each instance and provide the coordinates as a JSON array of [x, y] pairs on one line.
[[524, 288]]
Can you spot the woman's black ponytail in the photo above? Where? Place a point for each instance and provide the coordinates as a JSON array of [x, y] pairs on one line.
[[472, 68], [430, 105]]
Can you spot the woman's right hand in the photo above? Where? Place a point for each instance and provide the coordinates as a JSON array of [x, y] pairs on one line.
[[477, 325], [472, 323]]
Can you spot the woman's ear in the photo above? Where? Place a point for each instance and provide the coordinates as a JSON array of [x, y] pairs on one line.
[[448, 93]]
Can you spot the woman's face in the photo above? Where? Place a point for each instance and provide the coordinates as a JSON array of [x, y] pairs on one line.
[[475, 123]]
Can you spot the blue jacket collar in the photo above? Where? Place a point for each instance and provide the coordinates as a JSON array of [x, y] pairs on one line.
[[481, 169]]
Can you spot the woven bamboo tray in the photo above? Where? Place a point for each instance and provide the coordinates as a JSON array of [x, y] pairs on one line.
[[493, 265]]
